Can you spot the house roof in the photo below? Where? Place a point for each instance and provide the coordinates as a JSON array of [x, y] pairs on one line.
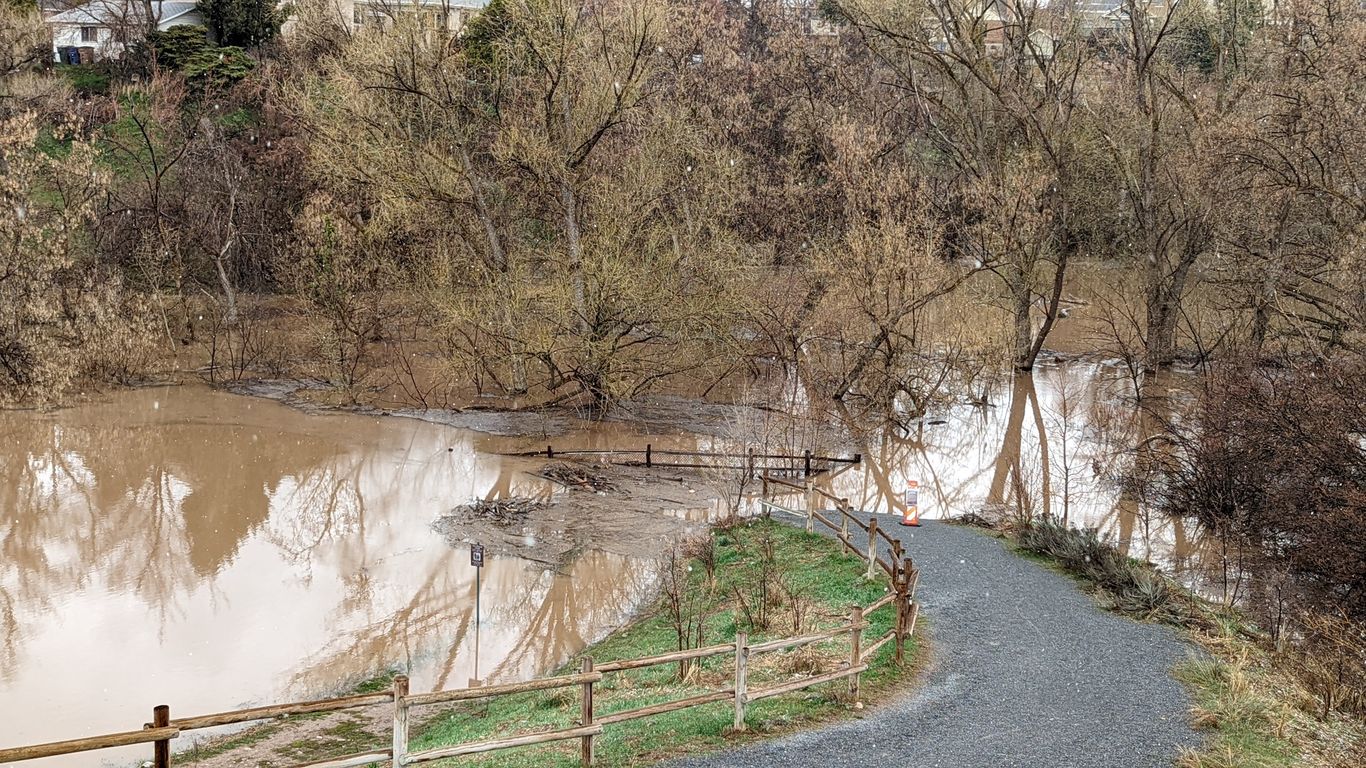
[[101, 12], [398, 4]]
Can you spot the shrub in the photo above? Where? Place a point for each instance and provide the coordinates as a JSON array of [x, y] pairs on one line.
[[216, 69], [1135, 588], [175, 47]]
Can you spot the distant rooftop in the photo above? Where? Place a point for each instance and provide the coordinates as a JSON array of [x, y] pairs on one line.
[[103, 12]]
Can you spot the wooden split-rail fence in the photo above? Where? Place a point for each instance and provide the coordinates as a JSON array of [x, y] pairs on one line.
[[805, 464], [812, 511], [591, 723]]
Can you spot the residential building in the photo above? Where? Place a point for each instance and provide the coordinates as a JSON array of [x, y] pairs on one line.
[[450, 15], [103, 29]]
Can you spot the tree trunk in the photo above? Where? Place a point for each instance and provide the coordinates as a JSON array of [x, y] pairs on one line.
[[497, 261], [1024, 325], [229, 292], [225, 250], [1160, 340], [572, 237]]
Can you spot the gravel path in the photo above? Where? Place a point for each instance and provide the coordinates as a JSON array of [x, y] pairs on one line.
[[1025, 671]]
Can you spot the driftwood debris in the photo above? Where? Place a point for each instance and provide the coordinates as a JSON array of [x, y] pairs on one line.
[[576, 476], [513, 509]]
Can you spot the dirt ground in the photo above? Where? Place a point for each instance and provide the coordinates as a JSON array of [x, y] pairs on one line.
[[644, 508]]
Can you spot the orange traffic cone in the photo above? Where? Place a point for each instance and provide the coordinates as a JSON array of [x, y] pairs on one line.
[[911, 515]]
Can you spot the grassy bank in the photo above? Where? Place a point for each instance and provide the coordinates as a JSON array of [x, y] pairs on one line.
[[763, 578], [1255, 712], [807, 583]]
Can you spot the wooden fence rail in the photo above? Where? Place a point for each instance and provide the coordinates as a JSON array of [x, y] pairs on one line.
[[877, 537], [901, 570], [806, 463], [589, 725]]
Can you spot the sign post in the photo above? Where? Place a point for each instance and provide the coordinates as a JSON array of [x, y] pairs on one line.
[[477, 561]]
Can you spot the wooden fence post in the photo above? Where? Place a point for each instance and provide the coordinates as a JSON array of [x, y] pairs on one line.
[[902, 607], [649, 452], [872, 548], [807, 456], [855, 649], [586, 755], [844, 524], [741, 681], [810, 508], [549, 452], [400, 745], [161, 750], [906, 605]]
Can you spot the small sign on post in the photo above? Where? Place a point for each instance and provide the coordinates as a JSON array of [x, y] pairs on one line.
[[911, 515], [477, 555]]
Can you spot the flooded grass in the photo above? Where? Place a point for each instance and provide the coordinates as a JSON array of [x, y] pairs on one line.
[[812, 567], [226, 744]]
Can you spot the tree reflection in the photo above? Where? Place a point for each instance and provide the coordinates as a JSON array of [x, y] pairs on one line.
[[1069, 439], [159, 496]]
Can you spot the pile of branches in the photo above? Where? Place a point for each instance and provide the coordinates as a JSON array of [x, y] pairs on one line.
[[513, 509], [578, 476]]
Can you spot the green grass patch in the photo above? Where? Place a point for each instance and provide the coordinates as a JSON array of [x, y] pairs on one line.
[[239, 120], [219, 745], [342, 738], [86, 78], [805, 584], [1245, 724]]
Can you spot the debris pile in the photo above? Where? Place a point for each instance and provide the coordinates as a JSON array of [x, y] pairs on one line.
[[578, 476], [513, 509]]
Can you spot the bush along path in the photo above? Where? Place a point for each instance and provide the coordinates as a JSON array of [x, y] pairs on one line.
[[1025, 670]]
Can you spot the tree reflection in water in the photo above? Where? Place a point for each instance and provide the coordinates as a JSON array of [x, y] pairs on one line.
[[209, 551], [1008, 459], [206, 550]]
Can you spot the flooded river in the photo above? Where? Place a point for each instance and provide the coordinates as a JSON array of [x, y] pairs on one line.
[[211, 551], [1058, 442]]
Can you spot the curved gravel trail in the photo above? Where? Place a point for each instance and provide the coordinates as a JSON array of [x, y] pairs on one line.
[[1025, 670]]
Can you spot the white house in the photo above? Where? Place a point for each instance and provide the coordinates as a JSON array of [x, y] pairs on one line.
[[109, 27], [450, 15]]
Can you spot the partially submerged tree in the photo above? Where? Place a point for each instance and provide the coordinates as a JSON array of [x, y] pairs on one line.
[[996, 97], [587, 262], [62, 317]]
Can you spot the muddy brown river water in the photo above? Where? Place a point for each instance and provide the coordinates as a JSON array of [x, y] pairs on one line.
[[210, 551]]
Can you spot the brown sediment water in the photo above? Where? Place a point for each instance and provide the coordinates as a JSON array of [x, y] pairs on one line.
[[1057, 442], [211, 551]]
